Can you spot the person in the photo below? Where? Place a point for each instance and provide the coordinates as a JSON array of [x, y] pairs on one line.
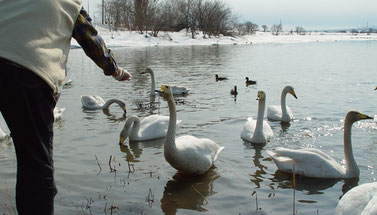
[[35, 42]]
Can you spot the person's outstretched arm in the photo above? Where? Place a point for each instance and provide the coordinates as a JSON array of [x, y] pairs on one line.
[[95, 48]]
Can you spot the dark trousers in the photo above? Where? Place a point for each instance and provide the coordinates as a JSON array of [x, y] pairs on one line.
[[27, 105]]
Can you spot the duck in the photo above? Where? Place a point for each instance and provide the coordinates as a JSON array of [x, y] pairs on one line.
[[150, 128], [234, 91], [58, 113], [281, 113], [258, 131], [96, 102], [361, 199], [249, 82], [314, 163], [177, 90], [187, 154], [218, 78]]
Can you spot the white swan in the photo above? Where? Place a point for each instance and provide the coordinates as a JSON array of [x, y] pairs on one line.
[[3, 135], [187, 153], [283, 112], [315, 163], [359, 200], [149, 128], [258, 131], [58, 113], [96, 102], [177, 90]]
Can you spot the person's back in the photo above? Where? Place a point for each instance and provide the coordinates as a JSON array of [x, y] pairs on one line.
[[35, 42]]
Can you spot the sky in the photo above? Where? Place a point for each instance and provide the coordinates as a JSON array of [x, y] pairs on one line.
[[309, 14]]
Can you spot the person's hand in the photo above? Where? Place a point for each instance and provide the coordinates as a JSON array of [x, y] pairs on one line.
[[122, 75]]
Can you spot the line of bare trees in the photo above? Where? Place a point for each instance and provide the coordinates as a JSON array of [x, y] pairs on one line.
[[212, 17]]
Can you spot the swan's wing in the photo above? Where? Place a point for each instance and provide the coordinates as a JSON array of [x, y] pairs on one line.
[[58, 112], [308, 162], [202, 150], [248, 129], [359, 200], [153, 127], [179, 90], [274, 112], [92, 102], [268, 133]]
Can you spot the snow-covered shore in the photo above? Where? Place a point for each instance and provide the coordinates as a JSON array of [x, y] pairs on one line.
[[131, 38]]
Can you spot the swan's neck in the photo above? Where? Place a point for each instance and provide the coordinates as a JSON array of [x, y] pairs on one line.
[[170, 136], [135, 121], [352, 169], [153, 87], [283, 104], [259, 125], [110, 102]]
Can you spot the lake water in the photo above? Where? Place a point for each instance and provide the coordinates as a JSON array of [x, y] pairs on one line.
[[95, 175]]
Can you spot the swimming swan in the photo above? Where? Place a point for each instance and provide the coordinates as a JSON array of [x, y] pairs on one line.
[[3, 135], [283, 112], [149, 128], [177, 90], [312, 162], [96, 102], [187, 153], [258, 131], [58, 113], [359, 200]]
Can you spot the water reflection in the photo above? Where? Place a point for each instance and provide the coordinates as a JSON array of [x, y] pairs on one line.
[[135, 148], [188, 192], [257, 177], [312, 185]]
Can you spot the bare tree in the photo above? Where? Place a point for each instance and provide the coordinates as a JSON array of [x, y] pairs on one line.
[[265, 28], [276, 29], [300, 30], [251, 28]]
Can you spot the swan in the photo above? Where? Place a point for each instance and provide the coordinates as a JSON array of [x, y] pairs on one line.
[[359, 200], [187, 153], [250, 81], [149, 128], [234, 91], [258, 131], [58, 113], [3, 135], [218, 78], [96, 102], [315, 163], [283, 112], [177, 90]]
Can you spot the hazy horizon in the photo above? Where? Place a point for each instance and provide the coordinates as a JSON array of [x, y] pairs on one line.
[[309, 14]]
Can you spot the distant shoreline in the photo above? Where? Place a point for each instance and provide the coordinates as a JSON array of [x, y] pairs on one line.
[[119, 39]]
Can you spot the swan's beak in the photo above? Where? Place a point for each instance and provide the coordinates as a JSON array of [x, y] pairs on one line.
[[293, 93], [363, 116], [124, 109], [121, 140], [375, 88]]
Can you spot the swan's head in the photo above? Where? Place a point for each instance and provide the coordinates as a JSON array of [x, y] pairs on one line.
[[261, 95], [354, 116], [147, 70], [290, 90], [165, 91]]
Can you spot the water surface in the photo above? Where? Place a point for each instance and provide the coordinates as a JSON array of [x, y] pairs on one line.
[[94, 174]]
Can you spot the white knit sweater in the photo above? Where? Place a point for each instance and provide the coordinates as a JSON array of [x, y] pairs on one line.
[[36, 34]]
